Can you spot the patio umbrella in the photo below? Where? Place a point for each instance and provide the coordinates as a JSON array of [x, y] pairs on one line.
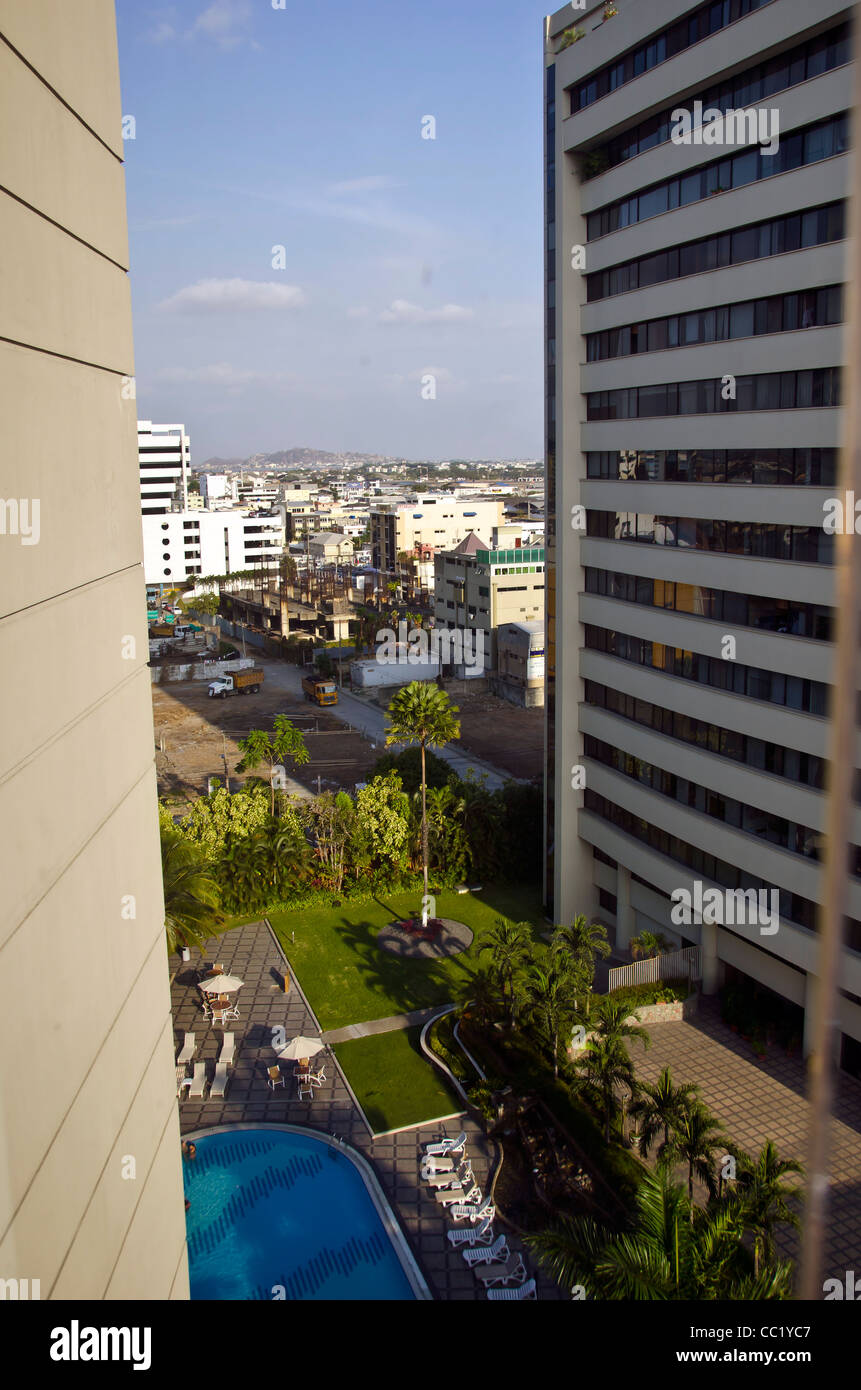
[[300, 1047], [221, 984]]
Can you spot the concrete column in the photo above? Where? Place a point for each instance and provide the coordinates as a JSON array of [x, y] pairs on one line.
[[810, 985], [625, 927], [709, 956]]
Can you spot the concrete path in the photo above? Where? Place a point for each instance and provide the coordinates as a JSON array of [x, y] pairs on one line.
[[381, 1025], [369, 719]]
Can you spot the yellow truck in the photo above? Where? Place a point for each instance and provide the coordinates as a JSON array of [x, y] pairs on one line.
[[322, 692]]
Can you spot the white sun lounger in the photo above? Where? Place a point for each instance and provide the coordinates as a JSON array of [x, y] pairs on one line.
[[515, 1295], [228, 1048], [188, 1050], [460, 1194], [482, 1234], [198, 1081], [484, 1254], [446, 1146], [474, 1211], [439, 1180], [219, 1081], [512, 1271], [440, 1163]]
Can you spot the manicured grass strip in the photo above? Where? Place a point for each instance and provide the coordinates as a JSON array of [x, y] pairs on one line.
[[347, 979], [394, 1082]]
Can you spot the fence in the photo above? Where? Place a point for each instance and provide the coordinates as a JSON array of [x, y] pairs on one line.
[[684, 964]]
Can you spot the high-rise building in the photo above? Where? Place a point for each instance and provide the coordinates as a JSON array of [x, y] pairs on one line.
[[164, 456], [91, 1193], [696, 181]]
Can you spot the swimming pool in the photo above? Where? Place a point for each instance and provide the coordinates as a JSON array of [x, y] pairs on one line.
[[283, 1209]]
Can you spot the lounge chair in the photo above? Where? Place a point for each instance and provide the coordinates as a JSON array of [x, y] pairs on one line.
[[219, 1081], [305, 1087], [482, 1234], [188, 1050], [511, 1271], [228, 1049], [440, 1163], [198, 1081], [474, 1211], [440, 1180], [458, 1194], [275, 1078], [446, 1146], [485, 1254], [515, 1295]]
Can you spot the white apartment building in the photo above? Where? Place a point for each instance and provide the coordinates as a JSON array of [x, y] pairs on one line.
[[182, 545], [218, 490], [164, 457], [436, 519], [693, 351], [478, 589]]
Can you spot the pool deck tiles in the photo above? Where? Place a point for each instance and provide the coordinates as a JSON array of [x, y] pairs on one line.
[[252, 953]]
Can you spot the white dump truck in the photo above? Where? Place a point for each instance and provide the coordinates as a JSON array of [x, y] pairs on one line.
[[239, 683]]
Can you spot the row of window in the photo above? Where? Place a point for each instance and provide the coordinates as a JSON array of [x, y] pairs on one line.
[[772, 467], [739, 815], [809, 697], [774, 237], [798, 148], [800, 64], [778, 313], [764, 540], [699, 24], [722, 605], [755, 753], [814, 389], [793, 907]]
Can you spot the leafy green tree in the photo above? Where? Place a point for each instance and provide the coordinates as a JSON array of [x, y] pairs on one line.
[[382, 825], [331, 821], [448, 845], [762, 1199], [606, 1072], [420, 713], [696, 1139], [510, 948], [283, 853], [191, 912], [582, 941], [650, 943], [284, 744], [216, 820], [658, 1108], [408, 765], [673, 1252], [551, 988], [242, 875]]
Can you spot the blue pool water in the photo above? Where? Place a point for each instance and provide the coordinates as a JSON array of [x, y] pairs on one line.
[[277, 1208]]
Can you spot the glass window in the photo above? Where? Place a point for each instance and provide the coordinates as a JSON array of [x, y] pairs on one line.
[[745, 168], [741, 318]]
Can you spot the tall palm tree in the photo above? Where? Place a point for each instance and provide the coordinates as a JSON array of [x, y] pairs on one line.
[[190, 894], [696, 1139], [649, 943], [672, 1252], [551, 988], [612, 1023], [761, 1198], [510, 947], [607, 1071], [422, 713], [659, 1106]]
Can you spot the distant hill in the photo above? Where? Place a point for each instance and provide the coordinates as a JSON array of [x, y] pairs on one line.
[[285, 458]]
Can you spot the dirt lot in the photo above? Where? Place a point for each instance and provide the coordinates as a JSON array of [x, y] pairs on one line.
[[196, 732], [502, 734]]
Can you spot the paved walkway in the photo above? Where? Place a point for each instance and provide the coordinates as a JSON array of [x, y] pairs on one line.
[[252, 953], [756, 1101], [380, 1025]]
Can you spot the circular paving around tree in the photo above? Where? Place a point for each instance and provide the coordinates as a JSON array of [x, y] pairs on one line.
[[448, 938]]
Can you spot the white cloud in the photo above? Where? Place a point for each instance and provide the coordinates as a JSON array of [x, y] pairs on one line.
[[401, 311], [217, 296], [162, 33], [220, 20]]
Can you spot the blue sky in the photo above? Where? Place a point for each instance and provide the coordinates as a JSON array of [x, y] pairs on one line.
[[301, 127]]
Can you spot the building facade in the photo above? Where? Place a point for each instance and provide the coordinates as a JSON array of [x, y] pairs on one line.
[[439, 520], [478, 590], [694, 304], [91, 1192], [164, 455], [183, 545]]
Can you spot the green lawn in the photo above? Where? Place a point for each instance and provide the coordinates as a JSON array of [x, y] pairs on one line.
[[394, 1082], [348, 980]]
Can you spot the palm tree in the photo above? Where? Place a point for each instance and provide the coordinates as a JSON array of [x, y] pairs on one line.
[[422, 713], [671, 1252], [552, 999], [606, 1070], [613, 1026], [190, 895], [284, 853], [659, 1107], [696, 1139], [582, 941], [761, 1199], [479, 993], [242, 874], [649, 943], [510, 947]]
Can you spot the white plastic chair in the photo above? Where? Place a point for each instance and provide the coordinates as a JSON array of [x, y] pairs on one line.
[[188, 1050]]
